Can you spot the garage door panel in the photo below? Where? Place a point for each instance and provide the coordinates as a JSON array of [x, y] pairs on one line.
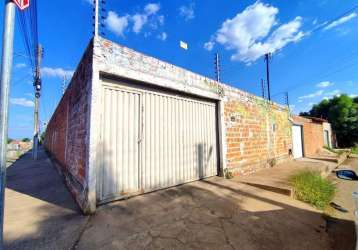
[[156, 140], [120, 166]]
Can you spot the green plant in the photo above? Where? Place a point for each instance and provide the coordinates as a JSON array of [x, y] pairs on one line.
[[311, 187], [355, 149], [25, 140], [228, 174]]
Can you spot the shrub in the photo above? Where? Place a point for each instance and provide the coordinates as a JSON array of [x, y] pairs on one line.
[[310, 187], [355, 149]]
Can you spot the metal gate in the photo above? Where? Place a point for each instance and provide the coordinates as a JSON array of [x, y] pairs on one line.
[[153, 140]]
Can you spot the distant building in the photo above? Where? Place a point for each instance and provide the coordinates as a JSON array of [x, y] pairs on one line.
[[310, 135]]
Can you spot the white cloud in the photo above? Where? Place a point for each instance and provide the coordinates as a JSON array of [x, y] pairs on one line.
[[139, 21], [187, 12], [250, 33], [163, 36], [324, 84], [56, 72], [22, 102], [209, 45], [340, 21], [353, 95], [116, 24], [333, 93], [151, 8], [312, 95], [20, 65]]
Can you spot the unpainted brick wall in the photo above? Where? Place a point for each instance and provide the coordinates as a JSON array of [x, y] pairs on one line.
[[258, 134], [67, 133], [312, 135]]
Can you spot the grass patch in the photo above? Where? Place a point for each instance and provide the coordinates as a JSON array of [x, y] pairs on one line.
[[310, 187], [355, 150], [338, 152]]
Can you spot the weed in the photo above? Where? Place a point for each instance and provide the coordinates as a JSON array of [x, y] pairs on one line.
[[311, 187], [355, 149]]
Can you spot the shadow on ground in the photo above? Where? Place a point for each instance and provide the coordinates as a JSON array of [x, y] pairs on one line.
[[209, 214], [39, 180], [39, 210]]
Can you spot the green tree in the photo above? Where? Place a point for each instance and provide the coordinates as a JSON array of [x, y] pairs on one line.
[[25, 140], [342, 112], [9, 140]]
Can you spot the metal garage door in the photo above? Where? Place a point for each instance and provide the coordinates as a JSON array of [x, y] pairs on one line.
[[297, 141], [153, 140]]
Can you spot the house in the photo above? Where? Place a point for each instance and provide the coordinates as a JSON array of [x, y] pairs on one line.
[[129, 124], [17, 145], [310, 135]]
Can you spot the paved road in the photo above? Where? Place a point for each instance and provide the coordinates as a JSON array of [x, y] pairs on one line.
[[341, 225]]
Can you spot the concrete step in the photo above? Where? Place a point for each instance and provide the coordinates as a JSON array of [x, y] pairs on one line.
[[280, 189]]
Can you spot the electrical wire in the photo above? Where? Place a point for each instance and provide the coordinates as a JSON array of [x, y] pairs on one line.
[[27, 20]]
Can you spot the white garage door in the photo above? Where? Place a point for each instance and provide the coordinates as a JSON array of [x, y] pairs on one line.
[[153, 140], [297, 141]]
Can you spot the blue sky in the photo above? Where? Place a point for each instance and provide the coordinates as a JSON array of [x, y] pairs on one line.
[[310, 65]]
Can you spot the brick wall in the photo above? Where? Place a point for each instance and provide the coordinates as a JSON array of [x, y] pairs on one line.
[[67, 133], [258, 133], [312, 135]]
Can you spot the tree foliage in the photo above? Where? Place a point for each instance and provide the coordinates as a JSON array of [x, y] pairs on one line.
[[342, 112], [25, 139]]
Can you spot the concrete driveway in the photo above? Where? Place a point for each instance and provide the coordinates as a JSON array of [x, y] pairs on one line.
[[211, 214]]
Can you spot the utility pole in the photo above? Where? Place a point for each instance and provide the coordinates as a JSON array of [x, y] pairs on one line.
[[64, 84], [37, 85], [263, 89], [267, 59], [287, 100], [217, 67], [96, 17], [6, 68]]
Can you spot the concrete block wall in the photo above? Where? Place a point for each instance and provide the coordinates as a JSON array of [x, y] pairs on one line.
[[67, 133], [312, 135]]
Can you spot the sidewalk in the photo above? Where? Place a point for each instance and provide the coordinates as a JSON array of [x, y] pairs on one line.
[[39, 211], [276, 179]]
